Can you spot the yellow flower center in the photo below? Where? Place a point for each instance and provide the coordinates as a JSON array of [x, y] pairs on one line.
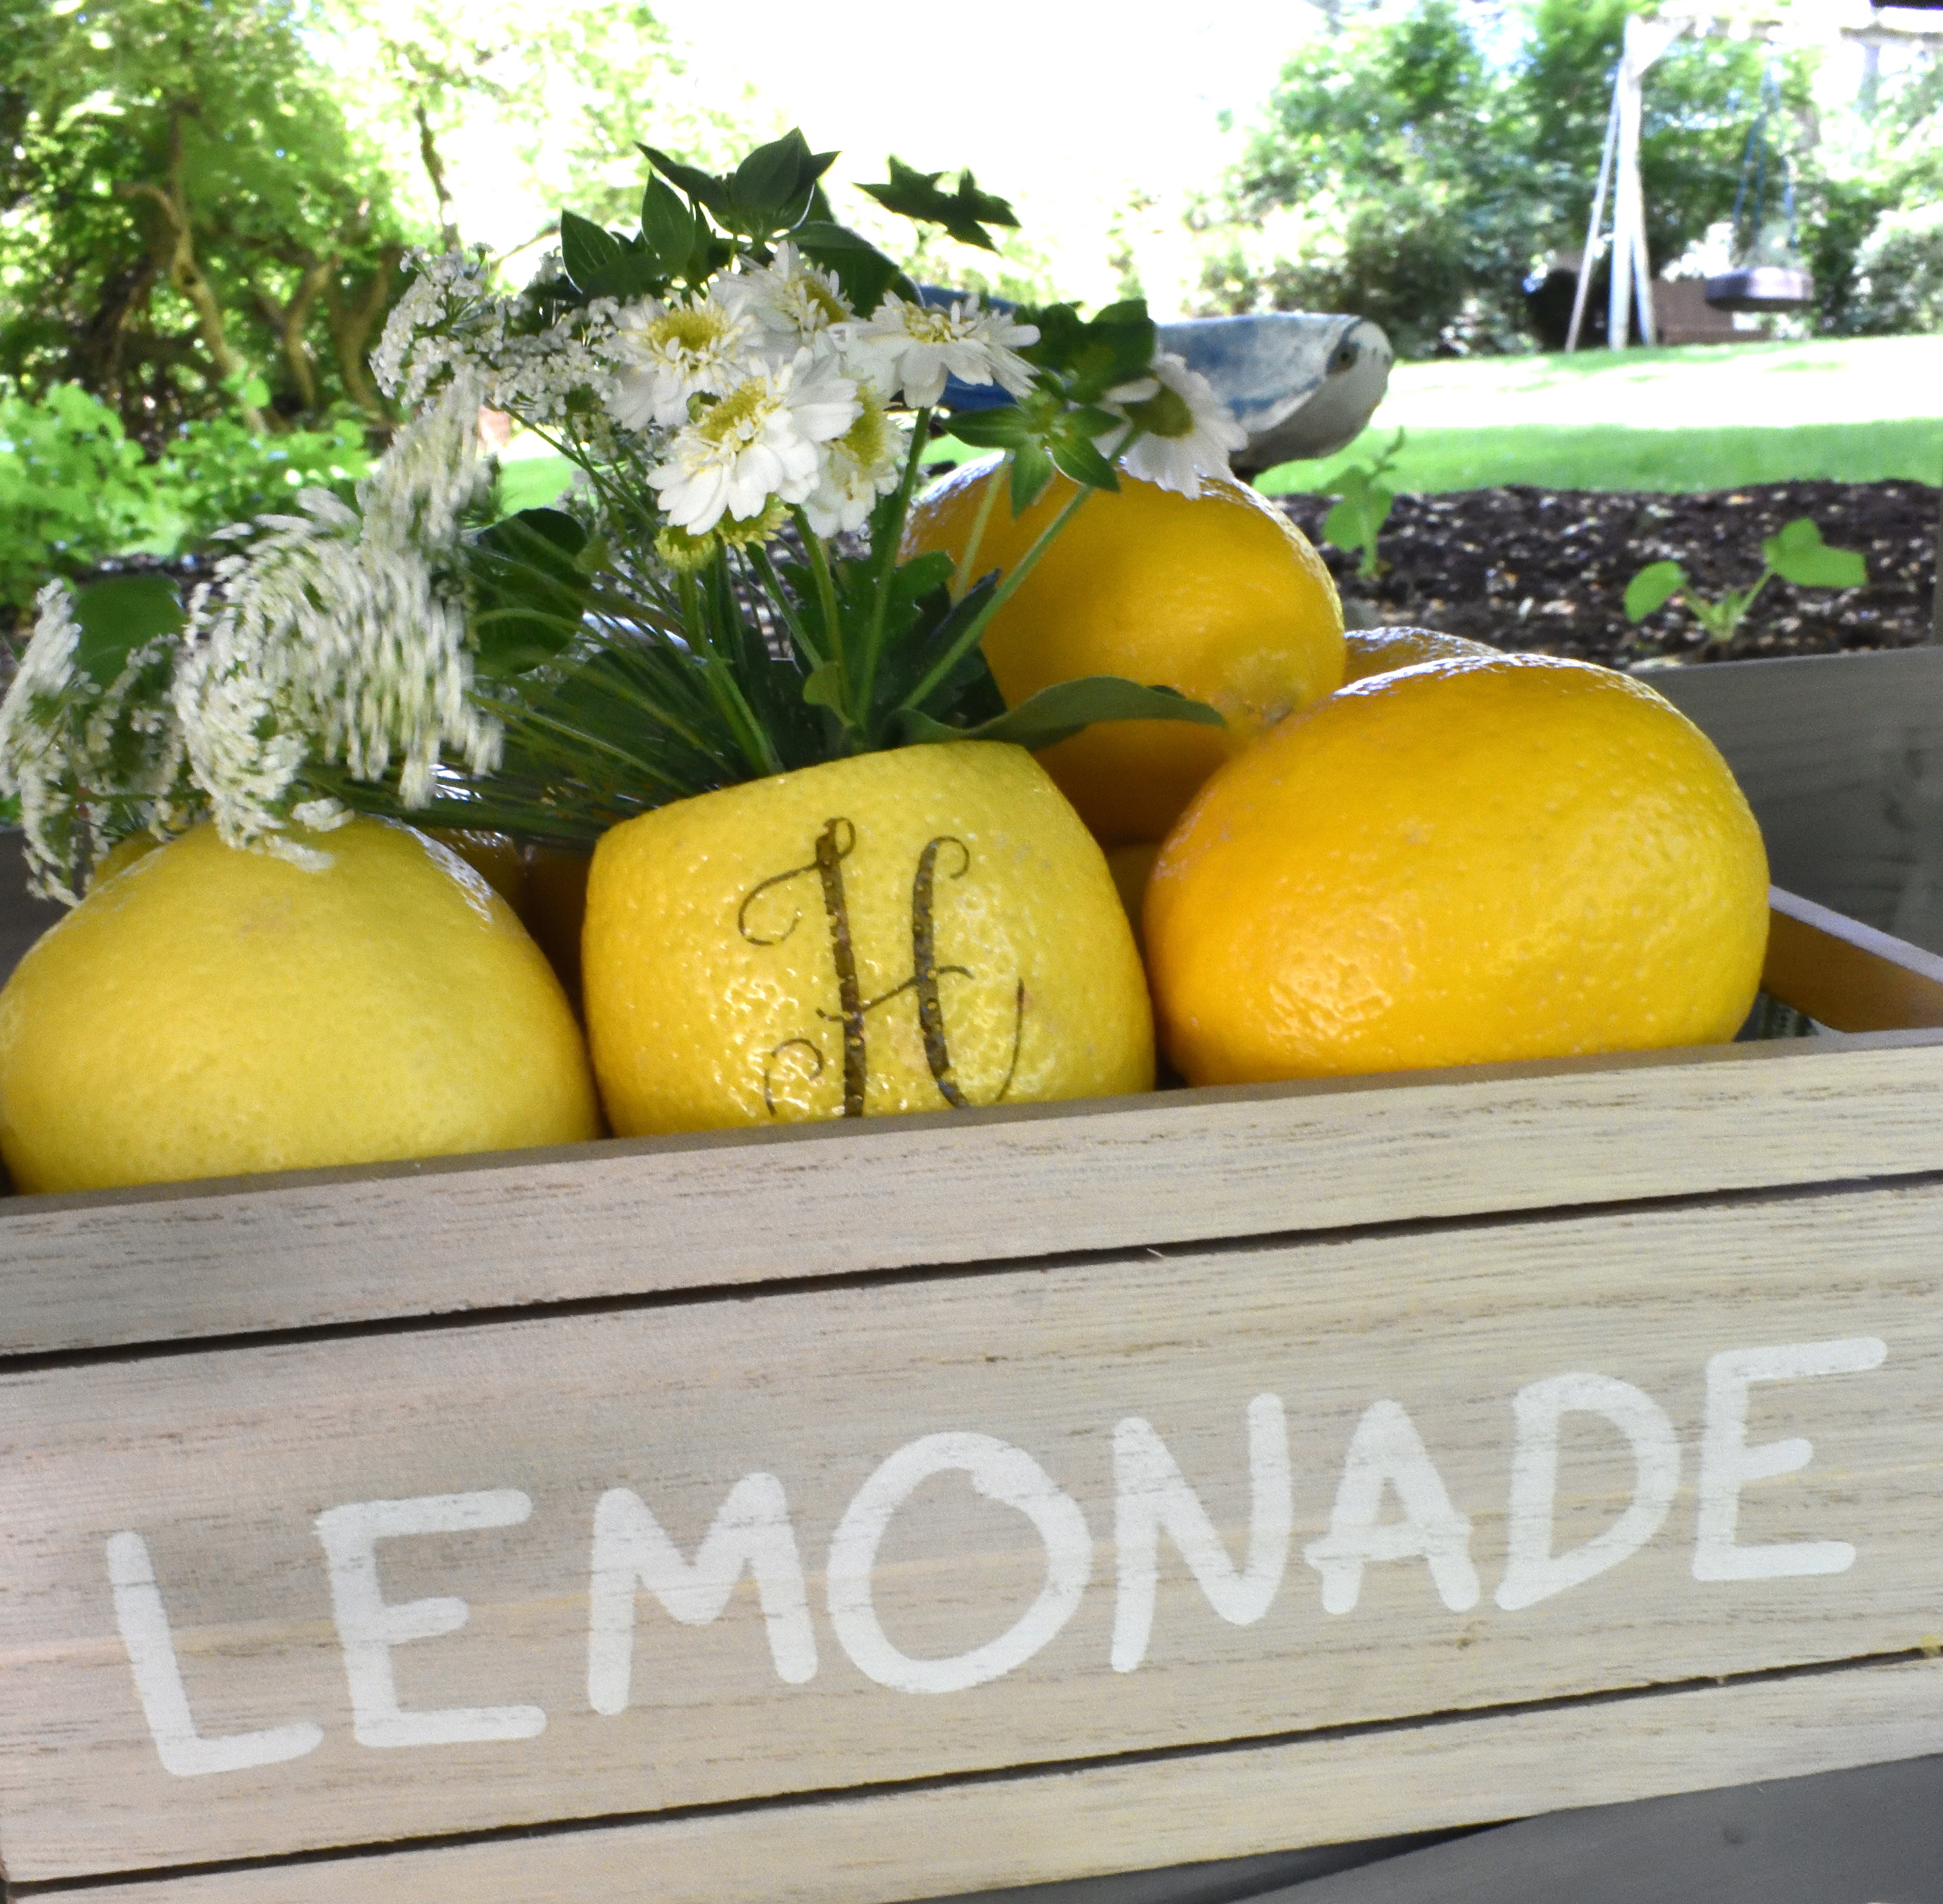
[[870, 440], [691, 330], [737, 417]]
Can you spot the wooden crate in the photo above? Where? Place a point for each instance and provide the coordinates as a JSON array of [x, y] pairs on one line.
[[868, 1512]]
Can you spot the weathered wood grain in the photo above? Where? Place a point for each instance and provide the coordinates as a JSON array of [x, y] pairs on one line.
[[1841, 758], [648, 1216], [223, 1461], [883, 1847]]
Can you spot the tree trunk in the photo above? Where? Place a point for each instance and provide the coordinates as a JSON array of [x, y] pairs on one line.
[[289, 321], [352, 321], [448, 222], [173, 248]]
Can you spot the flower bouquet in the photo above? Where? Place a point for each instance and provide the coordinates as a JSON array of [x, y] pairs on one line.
[[830, 879]]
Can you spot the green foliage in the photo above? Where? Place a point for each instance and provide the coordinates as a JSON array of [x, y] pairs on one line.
[[1796, 552], [964, 212], [192, 229], [74, 490], [1358, 519]]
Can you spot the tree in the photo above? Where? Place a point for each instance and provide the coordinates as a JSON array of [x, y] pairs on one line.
[[1394, 172], [191, 225]]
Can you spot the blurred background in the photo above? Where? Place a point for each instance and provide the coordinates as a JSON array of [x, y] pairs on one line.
[[206, 207]]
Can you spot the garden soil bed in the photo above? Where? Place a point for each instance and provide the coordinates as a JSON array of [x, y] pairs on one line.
[[1546, 570]]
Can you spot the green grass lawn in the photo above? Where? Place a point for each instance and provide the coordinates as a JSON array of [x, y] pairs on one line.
[[1854, 410]]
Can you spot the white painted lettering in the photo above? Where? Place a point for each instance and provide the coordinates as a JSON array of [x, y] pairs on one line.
[[1532, 1572], [144, 1622], [1727, 1464], [1386, 1450], [631, 1553], [1000, 1472], [368, 1629], [1150, 1495]]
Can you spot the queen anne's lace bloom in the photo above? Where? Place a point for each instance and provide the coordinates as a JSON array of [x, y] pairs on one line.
[[762, 440], [449, 326], [1188, 432], [91, 764], [668, 353], [914, 348], [339, 639]]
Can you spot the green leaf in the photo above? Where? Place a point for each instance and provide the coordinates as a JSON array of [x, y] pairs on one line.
[[705, 188], [586, 249], [1798, 554], [1057, 713], [1073, 455], [1654, 584], [528, 592], [863, 271], [824, 687], [964, 212], [1091, 356], [1032, 470], [667, 227], [117, 616], [773, 188]]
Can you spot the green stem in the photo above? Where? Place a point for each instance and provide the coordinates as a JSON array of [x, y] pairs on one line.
[[962, 580], [759, 559], [826, 587], [970, 638], [886, 561], [743, 728]]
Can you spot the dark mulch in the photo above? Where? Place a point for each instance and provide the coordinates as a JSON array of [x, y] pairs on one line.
[[1546, 569]]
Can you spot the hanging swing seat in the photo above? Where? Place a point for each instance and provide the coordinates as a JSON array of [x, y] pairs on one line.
[[1761, 287]]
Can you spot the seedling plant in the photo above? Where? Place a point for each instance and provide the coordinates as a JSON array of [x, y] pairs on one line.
[[1796, 553], [1358, 519]]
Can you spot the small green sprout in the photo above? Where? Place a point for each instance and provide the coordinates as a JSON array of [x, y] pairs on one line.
[[1796, 553], [1358, 519]]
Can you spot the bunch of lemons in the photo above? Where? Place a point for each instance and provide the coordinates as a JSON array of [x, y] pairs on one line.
[[1402, 850], [1406, 849]]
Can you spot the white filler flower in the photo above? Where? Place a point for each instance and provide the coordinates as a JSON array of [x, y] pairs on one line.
[[915, 347], [765, 438], [669, 353], [1187, 431]]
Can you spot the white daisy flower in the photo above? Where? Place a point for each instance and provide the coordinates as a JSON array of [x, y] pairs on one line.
[[915, 347], [1187, 431], [764, 439], [790, 301], [667, 353], [866, 462]]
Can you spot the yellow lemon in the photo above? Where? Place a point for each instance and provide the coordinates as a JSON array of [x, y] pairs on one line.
[[1470, 861], [1222, 596], [904, 931], [1382, 651], [207, 1011]]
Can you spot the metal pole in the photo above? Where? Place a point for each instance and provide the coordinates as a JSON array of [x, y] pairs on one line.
[[1626, 207], [1592, 225]]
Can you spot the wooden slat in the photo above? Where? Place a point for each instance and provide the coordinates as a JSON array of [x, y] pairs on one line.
[[625, 1219], [222, 1461], [888, 1846], [1850, 977]]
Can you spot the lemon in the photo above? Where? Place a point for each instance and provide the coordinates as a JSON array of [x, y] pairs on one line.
[[1222, 596], [207, 1011], [1469, 860], [928, 927], [1382, 651]]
